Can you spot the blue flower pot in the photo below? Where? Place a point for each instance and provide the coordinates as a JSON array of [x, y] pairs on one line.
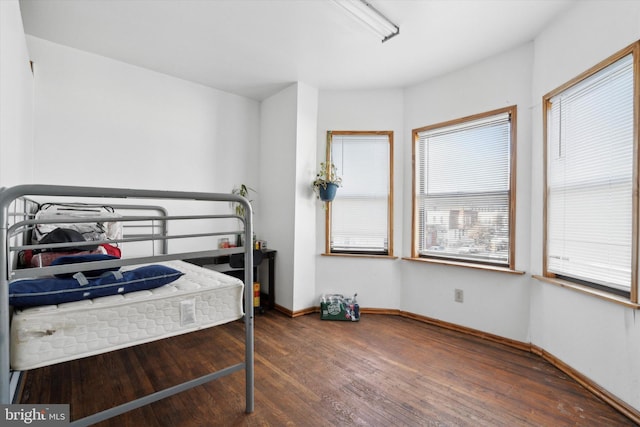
[[329, 193]]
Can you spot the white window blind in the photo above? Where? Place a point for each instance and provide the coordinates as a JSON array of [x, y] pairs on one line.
[[590, 178], [463, 190], [360, 211]]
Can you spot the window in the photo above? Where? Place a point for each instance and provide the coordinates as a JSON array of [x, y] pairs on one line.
[[359, 218], [590, 211], [464, 191]]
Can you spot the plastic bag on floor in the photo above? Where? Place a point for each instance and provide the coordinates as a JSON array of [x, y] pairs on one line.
[[337, 307]]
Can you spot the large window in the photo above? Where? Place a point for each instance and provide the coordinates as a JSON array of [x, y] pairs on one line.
[[591, 177], [359, 218], [464, 189]]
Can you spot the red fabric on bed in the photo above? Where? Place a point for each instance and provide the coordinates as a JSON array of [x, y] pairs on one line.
[[45, 259]]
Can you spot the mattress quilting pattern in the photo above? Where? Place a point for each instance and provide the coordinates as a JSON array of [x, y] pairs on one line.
[[201, 298]]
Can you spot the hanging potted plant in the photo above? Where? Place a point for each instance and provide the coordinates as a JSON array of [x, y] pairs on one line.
[[327, 182]]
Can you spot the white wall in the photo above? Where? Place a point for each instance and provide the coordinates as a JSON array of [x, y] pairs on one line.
[[278, 137], [377, 281], [107, 123], [494, 302], [600, 339], [16, 102], [287, 155], [304, 279]]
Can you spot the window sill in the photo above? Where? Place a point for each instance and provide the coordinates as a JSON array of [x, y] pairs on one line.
[[589, 291], [360, 256], [466, 265]]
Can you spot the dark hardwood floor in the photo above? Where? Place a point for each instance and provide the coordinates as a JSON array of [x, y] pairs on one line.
[[382, 371]]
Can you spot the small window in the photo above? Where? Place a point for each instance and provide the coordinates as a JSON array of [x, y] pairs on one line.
[[591, 160], [359, 218], [463, 189]]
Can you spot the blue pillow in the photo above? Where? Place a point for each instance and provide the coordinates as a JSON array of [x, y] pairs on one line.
[[45, 291], [74, 259]]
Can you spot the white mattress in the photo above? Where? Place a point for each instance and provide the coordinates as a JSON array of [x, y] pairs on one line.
[[201, 298]]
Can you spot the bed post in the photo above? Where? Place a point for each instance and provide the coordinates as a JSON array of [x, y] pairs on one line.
[[5, 369], [248, 303]]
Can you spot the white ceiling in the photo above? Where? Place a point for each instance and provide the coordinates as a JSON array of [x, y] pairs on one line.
[[256, 47]]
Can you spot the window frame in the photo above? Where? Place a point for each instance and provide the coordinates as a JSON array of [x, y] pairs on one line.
[[595, 288], [390, 196], [415, 254]]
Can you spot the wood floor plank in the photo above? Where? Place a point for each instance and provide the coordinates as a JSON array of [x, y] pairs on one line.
[[382, 371]]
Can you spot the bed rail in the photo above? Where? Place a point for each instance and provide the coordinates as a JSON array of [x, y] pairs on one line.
[[14, 223]]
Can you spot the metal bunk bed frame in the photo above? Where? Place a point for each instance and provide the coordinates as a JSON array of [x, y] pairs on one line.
[[10, 195]]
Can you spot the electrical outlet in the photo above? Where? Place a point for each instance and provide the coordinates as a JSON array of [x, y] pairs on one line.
[[458, 295]]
